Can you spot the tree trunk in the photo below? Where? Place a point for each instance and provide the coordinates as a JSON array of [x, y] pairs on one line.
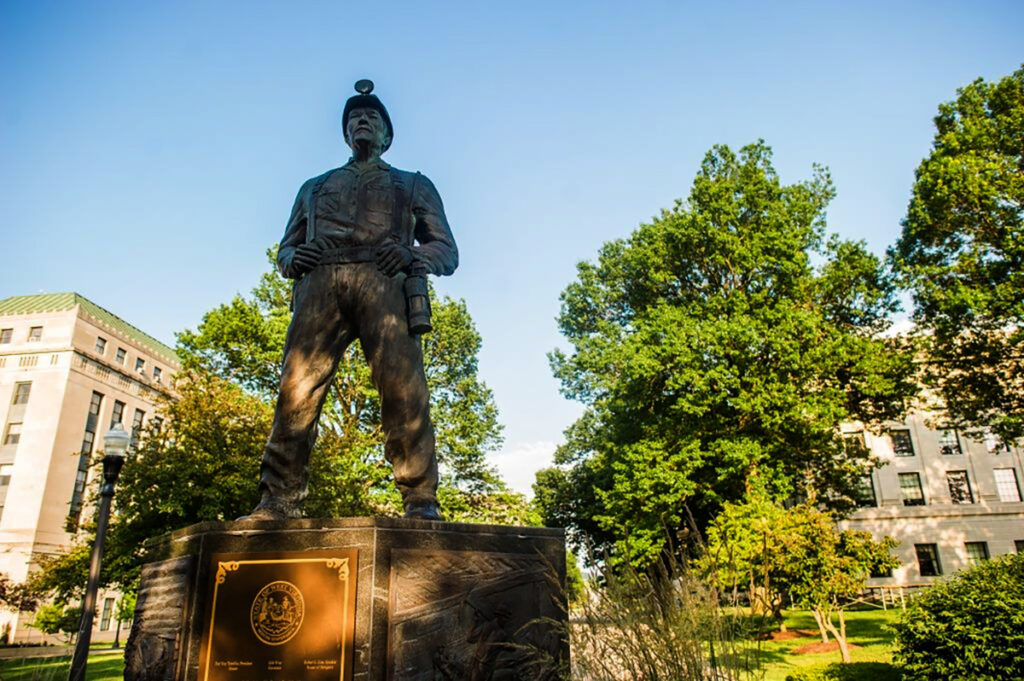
[[840, 635], [777, 613], [117, 635], [821, 624]]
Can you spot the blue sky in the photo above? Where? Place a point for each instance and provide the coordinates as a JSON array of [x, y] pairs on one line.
[[150, 152]]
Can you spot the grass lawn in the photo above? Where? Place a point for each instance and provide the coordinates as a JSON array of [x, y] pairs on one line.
[[102, 667], [865, 629]]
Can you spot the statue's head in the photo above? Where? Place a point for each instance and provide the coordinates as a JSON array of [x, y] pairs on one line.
[[365, 121]]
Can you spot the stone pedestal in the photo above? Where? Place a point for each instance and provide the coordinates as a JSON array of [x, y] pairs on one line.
[[394, 599]]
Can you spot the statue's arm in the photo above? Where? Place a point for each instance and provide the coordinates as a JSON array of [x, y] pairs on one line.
[[294, 234], [436, 246]]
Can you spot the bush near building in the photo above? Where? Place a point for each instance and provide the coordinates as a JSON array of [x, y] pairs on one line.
[[970, 626]]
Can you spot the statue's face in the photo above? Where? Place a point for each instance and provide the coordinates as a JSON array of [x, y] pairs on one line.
[[366, 126]]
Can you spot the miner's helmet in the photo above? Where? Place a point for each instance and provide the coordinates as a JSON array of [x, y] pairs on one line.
[[365, 100]]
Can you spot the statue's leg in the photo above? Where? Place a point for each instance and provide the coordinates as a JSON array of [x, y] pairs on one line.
[[317, 336], [396, 365]]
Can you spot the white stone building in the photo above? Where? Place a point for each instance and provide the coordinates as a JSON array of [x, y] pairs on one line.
[[69, 369], [949, 500]]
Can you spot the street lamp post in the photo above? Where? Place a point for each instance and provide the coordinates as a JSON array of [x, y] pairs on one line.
[[115, 444]]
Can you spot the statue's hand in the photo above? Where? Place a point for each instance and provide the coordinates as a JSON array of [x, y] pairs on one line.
[[305, 258], [392, 258]]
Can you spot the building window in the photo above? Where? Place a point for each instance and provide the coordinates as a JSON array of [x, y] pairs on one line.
[[949, 442], [108, 611], [137, 426], [140, 365], [101, 345], [993, 445], [78, 493], [902, 445], [120, 355], [117, 414], [21, 392], [13, 434], [854, 441], [95, 404], [910, 488], [84, 459], [6, 335], [1007, 484], [35, 333], [88, 439], [5, 483], [1018, 545], [928, 560], [866, 492], [977, 551], [157, 374], [959, 487]]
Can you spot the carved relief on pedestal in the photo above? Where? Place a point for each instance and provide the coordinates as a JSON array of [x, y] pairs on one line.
[[471, 616]]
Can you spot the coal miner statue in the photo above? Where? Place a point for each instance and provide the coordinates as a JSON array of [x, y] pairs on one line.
[[359, 244]]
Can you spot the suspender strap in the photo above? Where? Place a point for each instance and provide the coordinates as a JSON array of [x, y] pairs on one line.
[[311, 214], [400, 208]]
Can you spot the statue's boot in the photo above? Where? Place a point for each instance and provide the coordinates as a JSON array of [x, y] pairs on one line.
[[271, 508], [423, 509]]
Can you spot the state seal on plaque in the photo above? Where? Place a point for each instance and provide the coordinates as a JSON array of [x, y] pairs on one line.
[[277, 612], [280, 616]]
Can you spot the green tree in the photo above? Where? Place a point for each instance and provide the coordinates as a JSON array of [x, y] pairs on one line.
[[199, 462], [795, 555], [54, 618], [961, 253], [706, 345], [19, 597], [124, 612], [828, 569], [748, 549]]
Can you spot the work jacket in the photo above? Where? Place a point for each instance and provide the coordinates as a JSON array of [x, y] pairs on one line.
[[359, 205]]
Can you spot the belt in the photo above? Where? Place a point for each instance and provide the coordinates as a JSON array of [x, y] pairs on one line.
[[345, 256]]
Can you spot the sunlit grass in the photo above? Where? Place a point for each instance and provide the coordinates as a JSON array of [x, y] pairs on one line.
[[866, 629], [102, 667]]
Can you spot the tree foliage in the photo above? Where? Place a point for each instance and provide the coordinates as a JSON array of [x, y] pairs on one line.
[[970, 626], [17, 597], [707, 345], [961, 253], [54, 618]]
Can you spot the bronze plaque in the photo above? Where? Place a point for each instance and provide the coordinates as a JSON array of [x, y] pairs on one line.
[[280, 617]]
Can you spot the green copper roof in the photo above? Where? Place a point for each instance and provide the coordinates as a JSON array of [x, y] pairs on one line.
[[56, 302]]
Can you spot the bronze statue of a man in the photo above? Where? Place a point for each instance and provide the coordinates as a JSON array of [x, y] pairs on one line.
[[358, 244]]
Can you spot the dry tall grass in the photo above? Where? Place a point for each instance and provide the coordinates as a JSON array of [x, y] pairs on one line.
[[663, 625]]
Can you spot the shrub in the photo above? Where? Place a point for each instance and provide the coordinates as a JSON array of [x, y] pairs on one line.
[[970, 626], [852, 671]]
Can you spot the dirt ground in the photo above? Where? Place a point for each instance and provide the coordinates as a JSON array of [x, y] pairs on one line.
[[820, 647]]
